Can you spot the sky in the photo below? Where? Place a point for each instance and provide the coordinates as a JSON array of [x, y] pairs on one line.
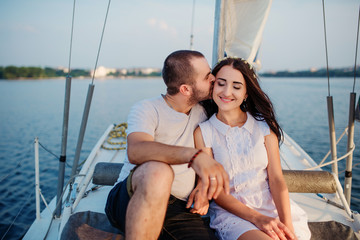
[[141, 33]]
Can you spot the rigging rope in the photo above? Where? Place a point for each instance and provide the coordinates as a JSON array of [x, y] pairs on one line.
[[192, 27], [333, 161], [356, 51], [11, 171], [102, 35], [326, 49], [17, 215], [337, 141], [322, 164]]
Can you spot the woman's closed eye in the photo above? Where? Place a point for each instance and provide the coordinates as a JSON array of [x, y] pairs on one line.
[[221, 84], [237, 86]]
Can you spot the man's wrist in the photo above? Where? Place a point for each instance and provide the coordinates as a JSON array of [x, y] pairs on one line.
[[193, 157]]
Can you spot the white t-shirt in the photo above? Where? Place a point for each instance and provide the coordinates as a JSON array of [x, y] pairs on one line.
[[155, 117]]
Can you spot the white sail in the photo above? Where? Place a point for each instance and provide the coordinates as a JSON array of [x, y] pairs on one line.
[[240, 27]]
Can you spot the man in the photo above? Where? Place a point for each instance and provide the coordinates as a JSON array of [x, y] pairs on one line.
[[161, 145]]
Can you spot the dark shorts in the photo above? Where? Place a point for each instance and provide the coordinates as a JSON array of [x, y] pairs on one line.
[[179, 222]]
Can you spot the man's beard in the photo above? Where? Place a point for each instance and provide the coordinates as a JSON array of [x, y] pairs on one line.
[[198, 95]]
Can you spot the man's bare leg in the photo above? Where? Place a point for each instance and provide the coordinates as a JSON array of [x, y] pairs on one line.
[[145, 214]]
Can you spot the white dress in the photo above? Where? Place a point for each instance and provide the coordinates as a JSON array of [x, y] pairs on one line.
[[242, 153]]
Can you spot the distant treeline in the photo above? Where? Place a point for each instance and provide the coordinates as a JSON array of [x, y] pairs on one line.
[[12, 72], [338, 72]]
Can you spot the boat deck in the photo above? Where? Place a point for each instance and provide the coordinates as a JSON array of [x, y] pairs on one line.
[[88, 216]]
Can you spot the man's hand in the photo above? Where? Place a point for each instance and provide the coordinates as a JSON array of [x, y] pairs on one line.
[[199, 202], [212, 175]]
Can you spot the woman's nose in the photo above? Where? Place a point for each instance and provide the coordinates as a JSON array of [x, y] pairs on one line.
[[227, 90]]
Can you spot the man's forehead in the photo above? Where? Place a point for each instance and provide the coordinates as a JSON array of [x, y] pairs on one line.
[[200, 64]]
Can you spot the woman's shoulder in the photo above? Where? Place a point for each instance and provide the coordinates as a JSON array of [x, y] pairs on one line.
[[262, 126], [205, 126], [207, 123]]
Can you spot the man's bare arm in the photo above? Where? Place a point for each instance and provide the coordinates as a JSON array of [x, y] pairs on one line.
[[142, 148]]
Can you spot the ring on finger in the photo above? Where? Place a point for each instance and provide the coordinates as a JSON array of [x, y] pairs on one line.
[[212, 178]]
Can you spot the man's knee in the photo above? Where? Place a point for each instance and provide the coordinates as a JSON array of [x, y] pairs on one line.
[[153, 176]]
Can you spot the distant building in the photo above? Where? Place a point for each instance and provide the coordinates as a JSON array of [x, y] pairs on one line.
[[64, 69], [142, 71], [147, 71], [103, 71], [123, 71]]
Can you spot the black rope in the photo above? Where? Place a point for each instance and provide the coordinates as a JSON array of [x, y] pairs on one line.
[[71, 37], [357, 41], [53, 154], [102, 35], [326, 49], [57, 157]]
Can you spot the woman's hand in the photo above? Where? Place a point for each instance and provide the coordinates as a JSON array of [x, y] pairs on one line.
[[274, 228], [199, 201]]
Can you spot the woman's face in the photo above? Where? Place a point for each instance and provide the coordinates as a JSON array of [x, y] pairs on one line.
[[229, 89]]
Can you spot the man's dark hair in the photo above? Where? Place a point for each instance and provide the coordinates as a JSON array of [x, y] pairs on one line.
[[178, 70]]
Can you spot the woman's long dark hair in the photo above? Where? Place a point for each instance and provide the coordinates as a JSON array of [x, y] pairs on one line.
[[258, 103]]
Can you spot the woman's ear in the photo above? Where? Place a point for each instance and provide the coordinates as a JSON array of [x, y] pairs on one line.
[[185, 90]]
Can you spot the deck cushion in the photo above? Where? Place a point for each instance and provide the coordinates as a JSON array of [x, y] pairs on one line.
[[297, 181], [89, 225], [106, 173], [302, 181]]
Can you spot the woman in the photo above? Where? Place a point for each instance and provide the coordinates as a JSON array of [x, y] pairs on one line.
[[243, 135]]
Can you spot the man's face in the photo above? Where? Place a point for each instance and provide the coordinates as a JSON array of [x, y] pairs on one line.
[[203, 80]]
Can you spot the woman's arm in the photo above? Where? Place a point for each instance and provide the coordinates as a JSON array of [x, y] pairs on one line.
[[277, 183], [198, 202]]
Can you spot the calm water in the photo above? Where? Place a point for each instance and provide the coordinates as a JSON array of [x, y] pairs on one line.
[[30, 109]]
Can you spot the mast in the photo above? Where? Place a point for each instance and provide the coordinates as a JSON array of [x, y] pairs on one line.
[[330, 108], [62, 159], [350, 146], [219, 32], [88, 104], [350, 142]]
